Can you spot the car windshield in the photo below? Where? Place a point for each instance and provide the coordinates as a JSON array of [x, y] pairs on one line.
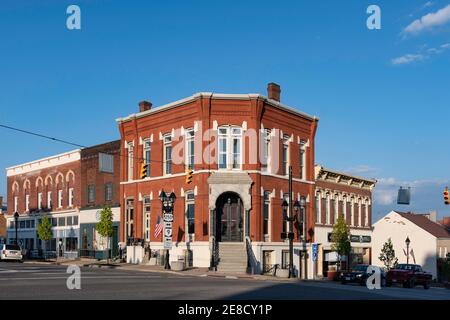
[[12, 247], [360, 268]]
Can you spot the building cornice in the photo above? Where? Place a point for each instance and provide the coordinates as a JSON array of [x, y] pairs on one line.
[[222, 96]]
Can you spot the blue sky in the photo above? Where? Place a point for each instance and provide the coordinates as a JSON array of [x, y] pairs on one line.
[[382, 95]]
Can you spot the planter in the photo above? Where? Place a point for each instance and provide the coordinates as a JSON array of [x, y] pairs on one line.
[[282, 273], [332, 275], [177, 265]]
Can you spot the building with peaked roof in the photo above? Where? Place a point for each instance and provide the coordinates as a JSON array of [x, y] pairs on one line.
[[430, 240]]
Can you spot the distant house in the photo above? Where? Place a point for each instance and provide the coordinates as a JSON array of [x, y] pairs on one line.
[[429, 239]]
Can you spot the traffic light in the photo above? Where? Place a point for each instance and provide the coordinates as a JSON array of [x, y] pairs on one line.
[[446, 199], [144, 171], [189, 174]]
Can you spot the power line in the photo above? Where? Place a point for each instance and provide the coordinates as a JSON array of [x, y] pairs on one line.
[[42, 136], [69, 143]]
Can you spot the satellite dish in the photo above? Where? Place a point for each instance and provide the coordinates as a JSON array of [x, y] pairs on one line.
[[404, 196]]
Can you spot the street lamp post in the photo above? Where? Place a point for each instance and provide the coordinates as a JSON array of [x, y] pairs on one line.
[[16, 223], [167, 205], [287, 207], [407, 241]]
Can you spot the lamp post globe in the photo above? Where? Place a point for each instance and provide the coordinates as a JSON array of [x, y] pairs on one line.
[[407, 241]]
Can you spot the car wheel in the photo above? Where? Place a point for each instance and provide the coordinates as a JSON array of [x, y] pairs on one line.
[[388, 284], [426, 285], [411, 283], [343, 282]]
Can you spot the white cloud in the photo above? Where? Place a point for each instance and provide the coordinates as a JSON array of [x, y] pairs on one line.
[[429, 21], [427, 4], [363, 169], [421, 55], [407, 58], [386, 189]]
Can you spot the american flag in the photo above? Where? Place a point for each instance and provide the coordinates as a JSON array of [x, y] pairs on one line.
[[158, 227]]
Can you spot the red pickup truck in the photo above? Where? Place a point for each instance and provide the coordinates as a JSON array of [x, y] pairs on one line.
[[409, 275]]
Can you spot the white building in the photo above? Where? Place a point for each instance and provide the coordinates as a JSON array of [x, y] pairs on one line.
[[429, 240]]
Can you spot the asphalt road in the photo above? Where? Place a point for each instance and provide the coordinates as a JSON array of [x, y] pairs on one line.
[[48, 282]]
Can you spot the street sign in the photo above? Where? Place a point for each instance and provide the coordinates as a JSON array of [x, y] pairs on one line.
[[315, 251], [168, 223]]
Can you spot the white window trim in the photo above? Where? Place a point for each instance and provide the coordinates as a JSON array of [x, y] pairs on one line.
[[328, 209], [71, 197], [16, 204], [229, 137], [130, 161], [49, 199], [189, 138], [147, 218], [366, 218], [60, 199], [286, 142], [40, 201], [27, 203], [165, 144], [319, 207], [336, 208], [352, 212]]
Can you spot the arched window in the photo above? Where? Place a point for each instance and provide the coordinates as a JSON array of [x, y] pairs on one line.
[[229, 147]]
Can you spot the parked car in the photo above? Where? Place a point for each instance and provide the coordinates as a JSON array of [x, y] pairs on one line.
[[359, 274], [409, 275], [11, 252]]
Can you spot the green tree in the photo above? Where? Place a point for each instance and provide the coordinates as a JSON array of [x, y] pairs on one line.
[[45, 231], [105, 226], [340, 239], [387, 255]]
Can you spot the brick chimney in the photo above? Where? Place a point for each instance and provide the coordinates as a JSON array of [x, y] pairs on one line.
[[273, 91], [144, 106]]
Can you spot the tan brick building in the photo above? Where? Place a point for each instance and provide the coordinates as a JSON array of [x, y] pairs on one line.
[[341, 194]]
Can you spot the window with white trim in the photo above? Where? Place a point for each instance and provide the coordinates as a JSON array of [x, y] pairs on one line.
[[16, 204], [40, 201], [147, 154], [167, 165], [366, 214], [60, 198], [352, 212], [70, 197], [336, 207], [302, 159], [49, 200], [359, 213], [285, 156], [327, 209], [229, 147], [130, 161], [344, 207], [190, 149], [27, 202], [265, 152], [318, 208]]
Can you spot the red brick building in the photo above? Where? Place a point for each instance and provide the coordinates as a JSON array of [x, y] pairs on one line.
[[240, 147], [341, 194], [66, 187]]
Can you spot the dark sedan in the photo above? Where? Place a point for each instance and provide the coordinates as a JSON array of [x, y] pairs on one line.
[[359, 274]]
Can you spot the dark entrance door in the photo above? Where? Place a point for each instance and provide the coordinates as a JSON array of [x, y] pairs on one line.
[[229, 218]]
